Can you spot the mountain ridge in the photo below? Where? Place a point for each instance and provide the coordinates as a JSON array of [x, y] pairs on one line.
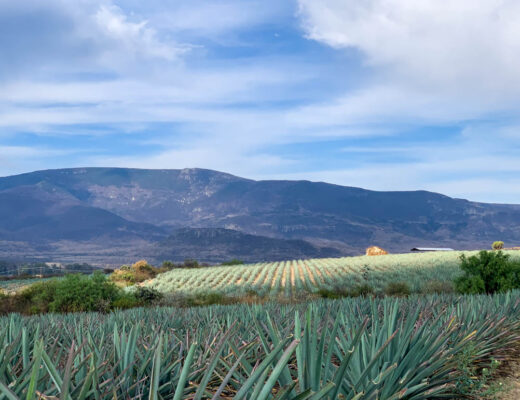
[[146, 206]]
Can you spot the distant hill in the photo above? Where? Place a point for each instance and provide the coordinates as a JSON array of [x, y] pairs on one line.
[[95, 214], [218, 244]]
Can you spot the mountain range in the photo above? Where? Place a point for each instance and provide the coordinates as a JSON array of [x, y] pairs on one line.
[[108, 216]]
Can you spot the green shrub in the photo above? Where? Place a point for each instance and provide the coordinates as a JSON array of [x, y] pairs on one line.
[[168, 265], [397, 289], [76, 293], [36, 298], [202, 299], [84, 293], [234, 261], [488, 272], [438, 287], [362, 290], [125, 301], [339, 292], [190, 263], [332, 293], [498, 245], [147, 295], [471, 381]]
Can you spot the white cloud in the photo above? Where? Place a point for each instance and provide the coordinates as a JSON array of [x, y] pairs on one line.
[[434, 45], [57, 38], [133, 38]]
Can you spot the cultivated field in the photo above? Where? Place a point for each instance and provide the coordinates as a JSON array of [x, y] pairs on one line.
[[345, 349], [290, 278], [15, 285]]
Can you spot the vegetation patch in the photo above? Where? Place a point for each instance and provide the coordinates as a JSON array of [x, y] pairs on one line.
[[498, 245], [397, 289], [74, 293], [488, 272], [136, 273]]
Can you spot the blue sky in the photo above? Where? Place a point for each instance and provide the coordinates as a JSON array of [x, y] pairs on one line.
[[380, 94]]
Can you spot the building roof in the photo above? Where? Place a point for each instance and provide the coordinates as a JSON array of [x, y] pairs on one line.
[[432, 249]]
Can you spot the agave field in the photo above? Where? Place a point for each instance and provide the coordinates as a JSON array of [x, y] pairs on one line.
[[290, 278], [343, 349], [15, 285]]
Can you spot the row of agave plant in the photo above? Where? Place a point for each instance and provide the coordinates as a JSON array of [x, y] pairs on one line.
[[342, 349]]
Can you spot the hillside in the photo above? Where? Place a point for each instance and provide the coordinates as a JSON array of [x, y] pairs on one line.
[[120, 213], [216, 244]]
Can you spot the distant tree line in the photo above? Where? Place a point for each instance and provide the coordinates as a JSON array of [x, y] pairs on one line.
[[19, 270]]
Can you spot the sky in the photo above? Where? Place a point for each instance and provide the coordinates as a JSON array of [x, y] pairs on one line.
[[379, 94]]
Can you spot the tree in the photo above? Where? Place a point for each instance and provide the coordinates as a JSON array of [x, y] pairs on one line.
[[498, 245], [488, 272]]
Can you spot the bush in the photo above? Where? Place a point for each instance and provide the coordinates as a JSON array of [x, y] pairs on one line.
[[339, 292], [234, 261], [82, 293], [498, 245], [76, 293], [36, 298], [397, 289], [488, 272], [168, 265], [72, 293], [190, 263], [362, 290], [140, 264], [126, 300], [147, 295], [139, 272], [439, 287], [202, 299], [332, 293]]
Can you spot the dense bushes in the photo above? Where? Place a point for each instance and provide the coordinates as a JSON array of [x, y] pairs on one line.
[[488, 272], [83, 293], [75, 293]]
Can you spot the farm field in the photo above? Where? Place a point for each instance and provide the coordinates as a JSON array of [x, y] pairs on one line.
[[14, 285], [291, 278], [329, 349]]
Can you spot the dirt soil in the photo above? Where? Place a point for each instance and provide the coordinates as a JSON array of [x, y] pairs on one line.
[[511, 385]]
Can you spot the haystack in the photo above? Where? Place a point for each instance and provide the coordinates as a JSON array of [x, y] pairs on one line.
[[376, 251]]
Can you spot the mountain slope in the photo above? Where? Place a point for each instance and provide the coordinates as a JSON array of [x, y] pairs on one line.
[[217, 244], [86, 203], [43, 212]]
